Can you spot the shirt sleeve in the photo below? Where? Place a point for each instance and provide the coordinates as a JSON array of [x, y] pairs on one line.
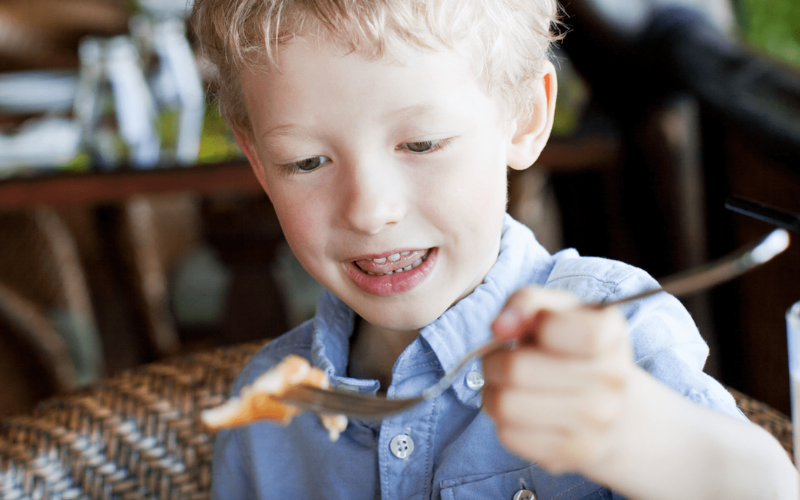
[[233, 473], [665, 340], [229, 476], [667, 344]]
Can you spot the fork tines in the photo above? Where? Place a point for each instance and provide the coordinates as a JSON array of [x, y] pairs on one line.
[[340, 402]]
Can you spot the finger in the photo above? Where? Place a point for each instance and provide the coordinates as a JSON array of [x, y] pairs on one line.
[[542, 445], [582, 331], [521, 408], [533, 369], [527, 308], [585, 411], [555, 450]]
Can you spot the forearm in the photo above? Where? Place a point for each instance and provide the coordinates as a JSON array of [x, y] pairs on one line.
[[669, 447]]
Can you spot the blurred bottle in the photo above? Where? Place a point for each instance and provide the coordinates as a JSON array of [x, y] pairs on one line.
[[174, 80], [114, 105]]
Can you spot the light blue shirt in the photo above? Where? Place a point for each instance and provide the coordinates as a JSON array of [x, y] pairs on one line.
[[456, 454]]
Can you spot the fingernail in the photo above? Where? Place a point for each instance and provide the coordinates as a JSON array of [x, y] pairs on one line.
[[507, 321]]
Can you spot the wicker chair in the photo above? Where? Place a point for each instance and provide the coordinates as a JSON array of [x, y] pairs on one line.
[[129, 437], [35, 361], [137, 436], [775, 422]]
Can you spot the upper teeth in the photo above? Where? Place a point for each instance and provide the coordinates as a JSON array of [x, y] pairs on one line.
[[392, 258], [407, 268]]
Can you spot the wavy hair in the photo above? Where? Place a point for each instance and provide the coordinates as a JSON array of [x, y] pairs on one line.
[[507, 40]]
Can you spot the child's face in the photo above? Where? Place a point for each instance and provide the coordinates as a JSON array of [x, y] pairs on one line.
[[373, 166]]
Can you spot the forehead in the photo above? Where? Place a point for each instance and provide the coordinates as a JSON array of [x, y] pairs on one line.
[[323, 51], [310, 76]]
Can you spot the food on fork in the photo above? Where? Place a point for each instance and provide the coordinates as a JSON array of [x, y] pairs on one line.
[[259, 401]]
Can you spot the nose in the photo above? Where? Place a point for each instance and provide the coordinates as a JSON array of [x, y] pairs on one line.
[[373, 198]]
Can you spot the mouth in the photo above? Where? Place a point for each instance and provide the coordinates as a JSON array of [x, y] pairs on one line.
[[394, 263], [393, 273]]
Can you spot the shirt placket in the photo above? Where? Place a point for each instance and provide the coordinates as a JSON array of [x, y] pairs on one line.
[[405, 457], [406, 440]]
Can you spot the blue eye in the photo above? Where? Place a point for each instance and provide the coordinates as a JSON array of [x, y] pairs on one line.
[[306, 165]]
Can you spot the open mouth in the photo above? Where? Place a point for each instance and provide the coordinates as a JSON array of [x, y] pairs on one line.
[[392, 274], [395, 263]]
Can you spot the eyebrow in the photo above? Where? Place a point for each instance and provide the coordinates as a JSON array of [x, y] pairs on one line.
[[414, 110], [279, 131], [407, 112]]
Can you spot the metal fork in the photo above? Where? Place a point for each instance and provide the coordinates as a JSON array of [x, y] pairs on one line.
[[370, 407]]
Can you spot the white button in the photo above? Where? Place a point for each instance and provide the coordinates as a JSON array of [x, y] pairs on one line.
[[475, 380], [402, 446], [524, 495]]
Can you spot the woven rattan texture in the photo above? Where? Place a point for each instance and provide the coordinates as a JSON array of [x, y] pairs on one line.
[[132, 437], [775, 422]]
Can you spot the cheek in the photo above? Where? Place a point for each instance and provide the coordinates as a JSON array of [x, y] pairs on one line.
[[483, 182], [301, 223]]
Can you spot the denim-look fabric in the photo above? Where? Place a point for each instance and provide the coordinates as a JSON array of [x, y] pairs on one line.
[[456, 454]]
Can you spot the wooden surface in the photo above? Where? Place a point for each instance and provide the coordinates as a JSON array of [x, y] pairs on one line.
[[61, 189], [78, 188]]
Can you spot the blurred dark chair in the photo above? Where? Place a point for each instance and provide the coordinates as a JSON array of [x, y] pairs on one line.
[[167, 241], [40, 264], [35, 362]]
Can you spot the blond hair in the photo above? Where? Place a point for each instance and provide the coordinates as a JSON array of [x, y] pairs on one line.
[[508, 40]]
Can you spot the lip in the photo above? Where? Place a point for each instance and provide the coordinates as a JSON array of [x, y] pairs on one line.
[[391, 284]]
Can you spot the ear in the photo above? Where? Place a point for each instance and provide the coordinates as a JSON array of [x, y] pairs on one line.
[[244, 138], [532, 132]]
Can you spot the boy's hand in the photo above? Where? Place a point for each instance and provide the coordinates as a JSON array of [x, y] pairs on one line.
[[558, 399]]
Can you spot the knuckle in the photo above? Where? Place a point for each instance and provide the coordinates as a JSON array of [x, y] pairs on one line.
[[602, 332], [582, 448], [526, 295], [592, 342], [615, 376], [600, 412]]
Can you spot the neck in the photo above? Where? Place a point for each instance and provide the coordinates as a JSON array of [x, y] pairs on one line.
[[373, 351]]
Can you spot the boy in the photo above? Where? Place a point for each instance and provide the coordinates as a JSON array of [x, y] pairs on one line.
[[381, 131]]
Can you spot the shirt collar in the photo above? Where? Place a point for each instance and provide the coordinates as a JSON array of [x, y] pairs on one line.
[[459, 330], [330, 343], [465, 326]]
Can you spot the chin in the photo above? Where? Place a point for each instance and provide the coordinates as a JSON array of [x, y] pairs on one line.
[[401, 318]]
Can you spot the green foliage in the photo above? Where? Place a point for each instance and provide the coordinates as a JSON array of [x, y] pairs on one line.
[[168, 128], [772, 26], [81, 163], [217, 143], [571, 99]]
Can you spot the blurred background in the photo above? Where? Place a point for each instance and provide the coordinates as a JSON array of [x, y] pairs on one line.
[[131, 228]]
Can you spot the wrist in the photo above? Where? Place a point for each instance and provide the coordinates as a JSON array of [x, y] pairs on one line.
[[667, 446]]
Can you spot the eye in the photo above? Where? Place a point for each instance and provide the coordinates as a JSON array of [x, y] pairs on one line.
[[424, 146], [420, 147], [306, 164]]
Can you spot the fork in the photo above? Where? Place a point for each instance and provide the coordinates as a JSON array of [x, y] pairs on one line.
[[369, 407]]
